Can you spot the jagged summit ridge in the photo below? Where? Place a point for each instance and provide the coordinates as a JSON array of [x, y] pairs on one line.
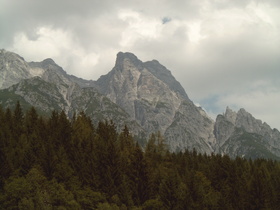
[[240, 134]]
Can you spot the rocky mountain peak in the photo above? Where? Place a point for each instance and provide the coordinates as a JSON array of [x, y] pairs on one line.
[[246, 121], [123, 55], [230, 115], [7, 55], [47, 65], [48, 62], [151, 95], [13, 68], [240, 134], [241, 119], [127, 61]]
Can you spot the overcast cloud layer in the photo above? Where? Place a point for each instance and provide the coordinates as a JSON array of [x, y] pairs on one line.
[[223, 52]]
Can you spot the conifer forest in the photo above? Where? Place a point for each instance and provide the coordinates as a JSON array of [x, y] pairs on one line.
[[60, 163]]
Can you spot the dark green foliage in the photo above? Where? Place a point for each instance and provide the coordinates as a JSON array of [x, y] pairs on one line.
[[57, 163]]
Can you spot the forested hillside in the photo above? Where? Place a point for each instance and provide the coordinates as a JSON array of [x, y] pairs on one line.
[[61, 163]]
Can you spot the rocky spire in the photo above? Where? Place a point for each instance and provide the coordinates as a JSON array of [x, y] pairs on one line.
[[230, 115]]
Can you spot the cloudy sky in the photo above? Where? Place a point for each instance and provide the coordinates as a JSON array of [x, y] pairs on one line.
[[223, 52]]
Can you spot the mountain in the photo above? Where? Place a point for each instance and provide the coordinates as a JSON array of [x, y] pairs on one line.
[[46, 86], [240, 134], [145, 96], [158, 102]]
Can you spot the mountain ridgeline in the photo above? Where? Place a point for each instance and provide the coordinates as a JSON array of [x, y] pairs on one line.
[[142, 95]]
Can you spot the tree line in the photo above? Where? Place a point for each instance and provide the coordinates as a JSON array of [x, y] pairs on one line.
[[62, 163]]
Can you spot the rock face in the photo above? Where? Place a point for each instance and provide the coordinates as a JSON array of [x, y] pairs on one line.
[[191, 128], [157, 101], [13, 69], [142, 95], [240, 134]]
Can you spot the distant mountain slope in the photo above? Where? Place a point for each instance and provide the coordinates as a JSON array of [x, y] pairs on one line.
[[240, 134]]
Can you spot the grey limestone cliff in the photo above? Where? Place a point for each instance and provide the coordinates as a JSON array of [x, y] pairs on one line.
[[157, 101]]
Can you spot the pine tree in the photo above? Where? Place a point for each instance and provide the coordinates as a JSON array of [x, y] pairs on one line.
[[17, 121], [82, 150], [108, 158], [138, 176], [31, 120], [168, 189]]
